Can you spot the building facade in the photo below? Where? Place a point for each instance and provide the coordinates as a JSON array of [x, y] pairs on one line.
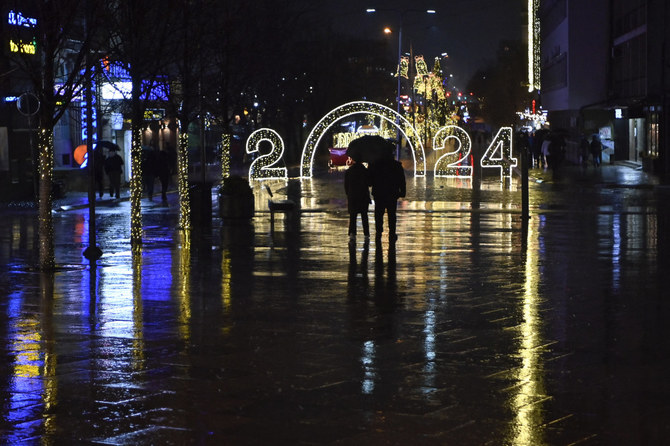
[[604, 70]]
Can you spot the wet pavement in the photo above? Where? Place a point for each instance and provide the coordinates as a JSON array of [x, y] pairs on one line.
[[475, 330]]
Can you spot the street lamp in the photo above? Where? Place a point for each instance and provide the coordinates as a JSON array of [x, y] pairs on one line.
[[401, 14]]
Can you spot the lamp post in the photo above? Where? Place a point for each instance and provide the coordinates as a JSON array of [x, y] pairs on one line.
[[401, 14]]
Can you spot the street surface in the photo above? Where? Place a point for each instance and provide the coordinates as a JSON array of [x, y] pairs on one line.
[[475, 330]]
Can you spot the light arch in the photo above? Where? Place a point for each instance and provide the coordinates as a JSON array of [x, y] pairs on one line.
[[372, 108]]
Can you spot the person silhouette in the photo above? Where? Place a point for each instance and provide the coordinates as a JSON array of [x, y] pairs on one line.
[[356, 186], [388, 184]]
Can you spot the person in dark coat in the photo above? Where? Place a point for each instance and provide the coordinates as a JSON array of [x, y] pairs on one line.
[[163, 172], [388, 184], [356, 186], [113, 167], [149, 170], [596, 150]]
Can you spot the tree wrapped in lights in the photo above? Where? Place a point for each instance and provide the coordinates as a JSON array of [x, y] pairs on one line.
[[431, 108]]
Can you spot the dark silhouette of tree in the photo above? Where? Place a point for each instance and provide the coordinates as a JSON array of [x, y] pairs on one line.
[[139, 39], [54, 65]]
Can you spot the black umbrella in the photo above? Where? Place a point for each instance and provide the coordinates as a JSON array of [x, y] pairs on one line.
[[369, 148], [108, 145]]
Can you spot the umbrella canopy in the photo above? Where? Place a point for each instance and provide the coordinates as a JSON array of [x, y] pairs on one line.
[[369, 148], [108, 145]]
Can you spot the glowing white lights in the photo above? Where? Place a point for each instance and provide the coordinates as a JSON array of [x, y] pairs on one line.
[[499, 153], [261, 168], [351, 108], [450, 164], [533, 45]]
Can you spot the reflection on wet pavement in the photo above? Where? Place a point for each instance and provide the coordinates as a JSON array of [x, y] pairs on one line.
[[475, 328]]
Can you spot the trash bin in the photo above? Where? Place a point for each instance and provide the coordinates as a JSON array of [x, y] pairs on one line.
[[236, 199], [200, 195]]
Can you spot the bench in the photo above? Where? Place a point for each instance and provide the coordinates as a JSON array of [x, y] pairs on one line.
[[285, 206]]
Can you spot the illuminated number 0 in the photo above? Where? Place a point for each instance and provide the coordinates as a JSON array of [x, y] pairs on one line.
[[499, 153], [262, 168], [444, 168]]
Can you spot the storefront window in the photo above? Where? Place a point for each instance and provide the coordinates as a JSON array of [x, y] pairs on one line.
[[652, 135]]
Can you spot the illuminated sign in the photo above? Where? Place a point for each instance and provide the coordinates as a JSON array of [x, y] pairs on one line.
[[18, 19], [23, 47]]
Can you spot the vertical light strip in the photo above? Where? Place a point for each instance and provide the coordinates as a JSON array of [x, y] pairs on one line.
[[533, 46], [225, 156], [136, 188], [182, 181]]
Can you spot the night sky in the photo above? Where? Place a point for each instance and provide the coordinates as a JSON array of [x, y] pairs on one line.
[[468, 30]]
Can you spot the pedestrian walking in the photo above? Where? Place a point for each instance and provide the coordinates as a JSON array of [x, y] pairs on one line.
[[596, 150], [149, 170], [163, 172], [113, 168], [584, 149], [356, 186], [388, 184]]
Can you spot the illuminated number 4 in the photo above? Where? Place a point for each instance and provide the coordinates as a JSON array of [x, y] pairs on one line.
[[499, 153]]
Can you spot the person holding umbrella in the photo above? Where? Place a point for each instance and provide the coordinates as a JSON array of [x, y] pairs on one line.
[[388, 184], [356, 184]]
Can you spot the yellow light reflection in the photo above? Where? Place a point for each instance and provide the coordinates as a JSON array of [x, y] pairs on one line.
[[138, 318], [184, 286], [225, 281], [527, 403]]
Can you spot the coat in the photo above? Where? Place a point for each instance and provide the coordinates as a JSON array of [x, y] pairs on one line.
[[356, 184], [388, 180]]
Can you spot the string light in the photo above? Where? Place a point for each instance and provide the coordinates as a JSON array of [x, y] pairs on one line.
[[533, 45], [351, 108], [136, 188], [225, 155], [449, 164], [499, 153], [46, 229], [182, 182], [261, 168]]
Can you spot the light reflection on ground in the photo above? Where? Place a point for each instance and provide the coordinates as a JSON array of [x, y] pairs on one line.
[[473, 327]]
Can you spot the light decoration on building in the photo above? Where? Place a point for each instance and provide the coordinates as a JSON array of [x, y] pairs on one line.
[[136, 188], [351, 108], [225, 155], [499, 153], [182, 182], [539, 119], [533, 45], [261, 168], [450, 164]]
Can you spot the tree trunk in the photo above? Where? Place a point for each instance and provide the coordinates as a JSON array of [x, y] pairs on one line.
[[136, 186], [45, 203], [182, 179]]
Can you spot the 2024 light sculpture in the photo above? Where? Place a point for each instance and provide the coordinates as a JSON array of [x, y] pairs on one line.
[[451, 164]]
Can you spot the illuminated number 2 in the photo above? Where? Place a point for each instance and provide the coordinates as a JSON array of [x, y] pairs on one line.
[[443, 166], [499, 153], [262, 168]]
